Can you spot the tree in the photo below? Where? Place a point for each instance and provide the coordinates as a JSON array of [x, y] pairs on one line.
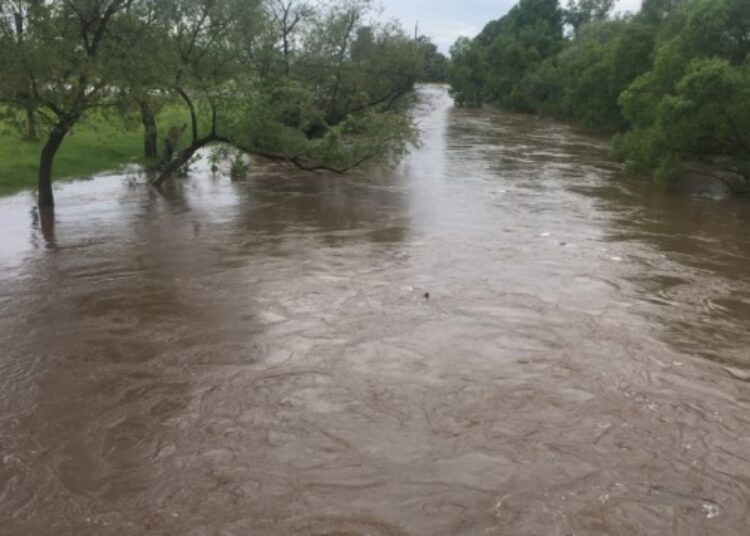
[[659, 9], [671, 79], [16, 36], [492, 66], [434, 63], [272, 77], [693, 105], [327, 109], [72, 65], [287, 16], [583, 12], [466, 73]]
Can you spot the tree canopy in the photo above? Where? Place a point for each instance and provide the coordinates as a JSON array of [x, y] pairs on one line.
[[320, 86]]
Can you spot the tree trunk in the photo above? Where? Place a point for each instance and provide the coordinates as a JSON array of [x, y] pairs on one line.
[[30, 123], [193, 116], [26, 96], [56, 137], [150, 147], [47, 226]]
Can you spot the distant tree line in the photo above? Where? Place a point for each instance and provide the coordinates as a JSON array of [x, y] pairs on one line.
[[673, 80], [434, 62], [320, 86]]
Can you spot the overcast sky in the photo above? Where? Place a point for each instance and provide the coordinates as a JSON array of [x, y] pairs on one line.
[[446, 20]]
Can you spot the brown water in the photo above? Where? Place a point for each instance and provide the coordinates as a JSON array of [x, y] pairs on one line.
[[258, 358]]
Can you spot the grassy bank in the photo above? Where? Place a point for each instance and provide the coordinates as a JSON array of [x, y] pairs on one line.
[[99, 143]]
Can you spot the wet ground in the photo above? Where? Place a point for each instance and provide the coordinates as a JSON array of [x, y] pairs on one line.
[[258, 357]]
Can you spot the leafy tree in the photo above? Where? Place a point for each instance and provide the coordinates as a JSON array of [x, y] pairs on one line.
[[73, 64], [434, 63], [657, 10], [16, 37], [491, 67], [530, 12], [694, 105], [583, 12], [364, 44], [672, 79], [286, 17], [466, 72], [272, 77], [330, 107]]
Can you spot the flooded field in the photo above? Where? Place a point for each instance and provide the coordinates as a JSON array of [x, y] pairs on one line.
[[503, 336]]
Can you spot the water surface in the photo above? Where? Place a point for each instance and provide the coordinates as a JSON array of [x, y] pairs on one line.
[[258, 357]]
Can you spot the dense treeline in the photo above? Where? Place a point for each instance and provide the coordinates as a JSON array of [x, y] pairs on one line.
[[673, 80], [434, 62], [319, 85]]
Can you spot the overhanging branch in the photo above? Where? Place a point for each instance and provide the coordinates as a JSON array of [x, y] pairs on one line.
[[184, 156]]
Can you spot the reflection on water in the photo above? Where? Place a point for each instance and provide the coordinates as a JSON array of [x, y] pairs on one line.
[[258, 357]]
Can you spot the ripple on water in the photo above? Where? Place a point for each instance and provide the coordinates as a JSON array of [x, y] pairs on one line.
[[261, 357]]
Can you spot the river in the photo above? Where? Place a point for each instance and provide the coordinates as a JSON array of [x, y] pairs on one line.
[[502, 336]]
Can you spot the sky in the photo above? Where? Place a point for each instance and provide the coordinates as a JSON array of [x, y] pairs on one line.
[[446, 20]]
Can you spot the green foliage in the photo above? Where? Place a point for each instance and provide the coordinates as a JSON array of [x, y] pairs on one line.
[[321, 85], [434, 63], [100, 143], [466, 72], [239, 166], [586, 11], [706, 117], [673, 79], [492, 67], [694, 105]]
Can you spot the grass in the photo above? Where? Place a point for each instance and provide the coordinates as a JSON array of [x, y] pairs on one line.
[[99, 143]]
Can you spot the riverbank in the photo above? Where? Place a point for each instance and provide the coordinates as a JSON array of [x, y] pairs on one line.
[[98, 144]]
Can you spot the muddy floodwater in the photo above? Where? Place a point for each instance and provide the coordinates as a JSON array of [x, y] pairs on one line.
[[503, 336]]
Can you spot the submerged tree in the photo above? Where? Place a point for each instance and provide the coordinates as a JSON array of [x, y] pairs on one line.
[[324, 109], [72, 64], [276, 78]]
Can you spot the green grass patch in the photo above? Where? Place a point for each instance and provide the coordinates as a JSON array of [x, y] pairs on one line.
[[99, 143]]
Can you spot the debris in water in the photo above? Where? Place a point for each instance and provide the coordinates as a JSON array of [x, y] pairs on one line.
[[426, 295], [737, 373], [711, 509]]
